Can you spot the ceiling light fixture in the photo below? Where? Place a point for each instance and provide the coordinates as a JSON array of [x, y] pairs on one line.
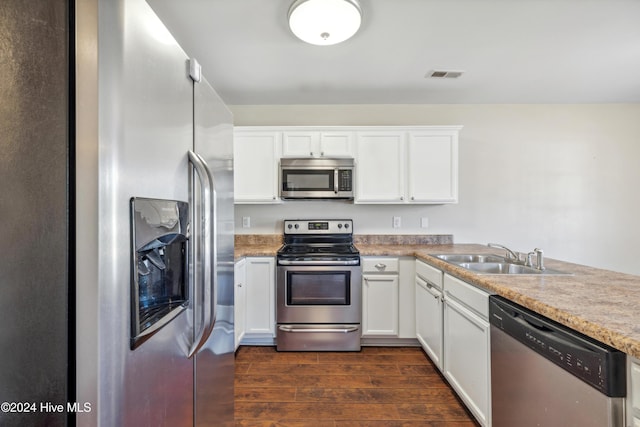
[[324, 22]]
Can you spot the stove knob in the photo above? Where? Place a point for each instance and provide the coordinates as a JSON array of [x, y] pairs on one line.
[[346, 226], [297, 226], [339, 225], [289, 226]]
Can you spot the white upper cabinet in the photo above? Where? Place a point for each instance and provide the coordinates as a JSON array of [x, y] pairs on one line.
[[255, 176], [317, 143], [393, 164], [407, 165], [380, 167], [432, 166]]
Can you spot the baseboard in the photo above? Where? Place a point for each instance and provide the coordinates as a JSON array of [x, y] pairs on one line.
[[389, 342]]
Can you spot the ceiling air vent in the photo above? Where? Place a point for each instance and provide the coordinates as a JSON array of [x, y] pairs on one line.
[[444, 74]]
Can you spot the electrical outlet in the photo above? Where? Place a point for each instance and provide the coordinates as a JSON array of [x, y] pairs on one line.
[[246, 222], [397, 222], [424, 222]]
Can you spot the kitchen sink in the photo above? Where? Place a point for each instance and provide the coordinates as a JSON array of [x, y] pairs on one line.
[[493, 264], [473, 258], [499, 268]]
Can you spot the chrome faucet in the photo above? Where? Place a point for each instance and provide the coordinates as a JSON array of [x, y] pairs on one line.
[[539, 259], [510, 254]]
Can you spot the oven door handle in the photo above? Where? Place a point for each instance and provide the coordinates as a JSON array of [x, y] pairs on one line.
[[336, 263], [345, 330]]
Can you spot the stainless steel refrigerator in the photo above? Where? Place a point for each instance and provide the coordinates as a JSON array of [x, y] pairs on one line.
[[149, 126]]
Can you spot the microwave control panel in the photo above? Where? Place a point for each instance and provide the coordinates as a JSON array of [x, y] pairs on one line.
[[345, 179]]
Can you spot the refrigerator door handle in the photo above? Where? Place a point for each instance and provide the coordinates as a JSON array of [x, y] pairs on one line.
[[209, 253]]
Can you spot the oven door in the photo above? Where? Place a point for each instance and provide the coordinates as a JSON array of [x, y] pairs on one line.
[[319, 294]]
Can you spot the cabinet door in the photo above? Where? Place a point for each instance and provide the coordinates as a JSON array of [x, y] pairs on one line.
[[429, 312], [260, 312], [316, 143], [633, 391], [433, 167], [380, 305], [336, 144], [240, 300], [255, 173], [380, 167], [467, 358], [300, 144]]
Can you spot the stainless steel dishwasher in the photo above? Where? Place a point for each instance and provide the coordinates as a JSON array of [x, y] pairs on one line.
[[544, 374]]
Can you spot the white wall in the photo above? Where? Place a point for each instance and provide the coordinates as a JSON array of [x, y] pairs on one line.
[[559, 177]]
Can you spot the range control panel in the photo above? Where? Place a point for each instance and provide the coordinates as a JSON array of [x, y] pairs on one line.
[[321, 226]]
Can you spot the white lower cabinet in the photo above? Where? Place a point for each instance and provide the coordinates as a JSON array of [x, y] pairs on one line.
[[633, 391], [380, 291], [380, 305], [467, 346], [429, 311], [240, 300], [260, 293]]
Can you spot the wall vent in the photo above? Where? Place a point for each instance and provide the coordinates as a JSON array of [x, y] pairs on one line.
[[444, 74]]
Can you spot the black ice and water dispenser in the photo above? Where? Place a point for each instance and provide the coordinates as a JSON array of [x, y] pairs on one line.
[[160, 276]]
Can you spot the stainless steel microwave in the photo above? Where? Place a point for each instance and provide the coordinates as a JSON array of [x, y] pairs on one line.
[[316, 178]]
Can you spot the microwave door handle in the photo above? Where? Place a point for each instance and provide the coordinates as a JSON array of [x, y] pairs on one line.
[[335, 181], [207, 191]]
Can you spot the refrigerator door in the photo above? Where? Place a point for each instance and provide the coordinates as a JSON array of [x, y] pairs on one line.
[[214, 362], [145, 128]]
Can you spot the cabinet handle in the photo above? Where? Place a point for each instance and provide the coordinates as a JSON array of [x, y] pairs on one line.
[[413, 198], [239, 285], [380, 265], [401, 197], [311, 153], [322, 153]]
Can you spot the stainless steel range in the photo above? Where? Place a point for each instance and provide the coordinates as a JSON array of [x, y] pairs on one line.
[[318, 287]]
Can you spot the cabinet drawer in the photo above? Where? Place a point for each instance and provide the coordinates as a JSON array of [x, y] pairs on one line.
[[380, 265], [474, 298], [428, 273]]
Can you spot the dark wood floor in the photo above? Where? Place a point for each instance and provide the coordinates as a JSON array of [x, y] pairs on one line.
[[379, 386]]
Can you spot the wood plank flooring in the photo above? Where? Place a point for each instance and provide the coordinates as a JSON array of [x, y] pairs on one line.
[[379, 386]]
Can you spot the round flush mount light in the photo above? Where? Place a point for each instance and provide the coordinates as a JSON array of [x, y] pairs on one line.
[[324, 22]]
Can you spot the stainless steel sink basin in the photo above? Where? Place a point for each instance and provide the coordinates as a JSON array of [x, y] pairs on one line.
[[460, 258], [499, 268], [506, 268], [493, 264]]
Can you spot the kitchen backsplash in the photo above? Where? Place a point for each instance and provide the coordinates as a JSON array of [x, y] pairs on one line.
[[370, 239], [403, 239]]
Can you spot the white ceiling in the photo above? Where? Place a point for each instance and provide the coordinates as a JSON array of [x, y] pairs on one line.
[[512, 51]]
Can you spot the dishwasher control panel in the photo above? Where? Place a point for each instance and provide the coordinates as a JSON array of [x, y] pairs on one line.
[[597, 364]]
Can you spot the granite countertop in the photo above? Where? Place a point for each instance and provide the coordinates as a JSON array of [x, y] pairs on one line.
[[599, 303], [256, 245]]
